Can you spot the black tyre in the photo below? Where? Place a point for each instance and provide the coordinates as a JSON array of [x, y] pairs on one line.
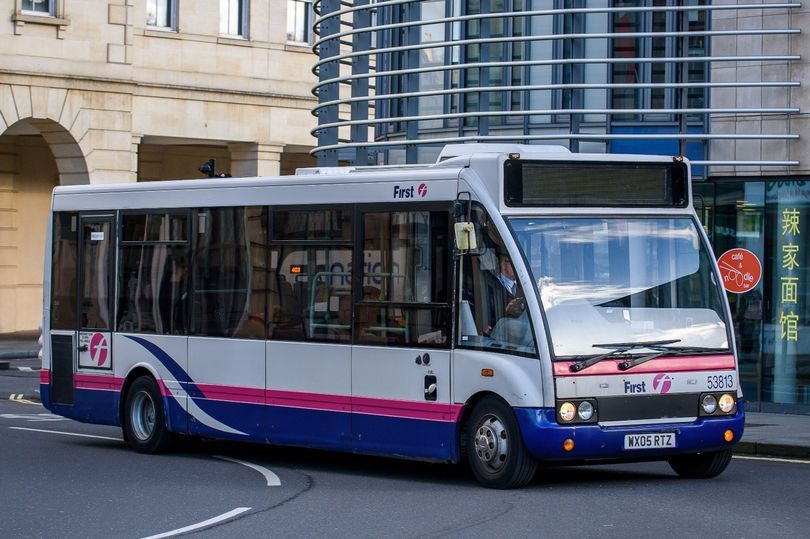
[[701, 465], [495, 448], [144, 421]]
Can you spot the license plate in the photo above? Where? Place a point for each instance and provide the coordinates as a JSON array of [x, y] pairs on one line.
[[649, 441]]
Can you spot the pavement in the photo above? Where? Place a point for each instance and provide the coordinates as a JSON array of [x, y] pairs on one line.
[[766, 434]]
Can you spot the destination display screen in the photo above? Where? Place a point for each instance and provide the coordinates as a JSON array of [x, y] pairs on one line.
[[590, 184]]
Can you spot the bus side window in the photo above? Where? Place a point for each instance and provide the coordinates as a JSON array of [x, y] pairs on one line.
[[493, 312], [63, 276], [406, 268], [153, 273], [228, 273], [309, 279]]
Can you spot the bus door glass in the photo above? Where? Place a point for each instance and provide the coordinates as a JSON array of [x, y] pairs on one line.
[[95, 291], [401, 353]]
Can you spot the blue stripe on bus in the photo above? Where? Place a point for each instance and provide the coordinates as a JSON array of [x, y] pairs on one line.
[[406, 437], [89, 406]]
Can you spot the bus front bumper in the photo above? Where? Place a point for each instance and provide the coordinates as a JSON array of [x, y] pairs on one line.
[[544, 437]]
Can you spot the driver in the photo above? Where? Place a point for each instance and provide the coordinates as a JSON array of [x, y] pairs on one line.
[[513, 326]]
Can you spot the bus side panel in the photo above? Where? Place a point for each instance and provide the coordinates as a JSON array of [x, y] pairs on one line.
[[309, 394], [516, 379], [226, 383]]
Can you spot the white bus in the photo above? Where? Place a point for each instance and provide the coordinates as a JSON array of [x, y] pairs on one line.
[[507, 305]]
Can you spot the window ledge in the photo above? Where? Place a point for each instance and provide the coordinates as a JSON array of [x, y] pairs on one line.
[[39, 19], [156, 31], [20, 19], [234, 40], [297, 46]]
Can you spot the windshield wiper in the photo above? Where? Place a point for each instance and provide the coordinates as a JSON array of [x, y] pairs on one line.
[[663, 350], [679, 350], [622, 348]]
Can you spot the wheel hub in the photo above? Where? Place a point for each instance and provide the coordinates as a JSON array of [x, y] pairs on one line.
[[491, 442], [143, 415]]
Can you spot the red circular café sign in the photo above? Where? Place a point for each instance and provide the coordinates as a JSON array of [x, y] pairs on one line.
[[740, 269]]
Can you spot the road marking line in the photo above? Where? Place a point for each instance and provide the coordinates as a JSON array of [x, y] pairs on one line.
[[26, 369], [70, 434], [203, 524], [18, 397], [34, 417], [272, 479], [772, 459]]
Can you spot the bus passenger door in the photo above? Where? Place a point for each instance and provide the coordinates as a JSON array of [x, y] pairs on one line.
[[96, 282], [82, 355], [401, 356]]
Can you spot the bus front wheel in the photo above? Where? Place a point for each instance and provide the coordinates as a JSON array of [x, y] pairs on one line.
[[144, 423], [495, 447], [701, 465]]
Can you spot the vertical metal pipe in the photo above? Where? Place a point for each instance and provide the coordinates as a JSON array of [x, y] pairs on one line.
[[331, 91], [360, 64]]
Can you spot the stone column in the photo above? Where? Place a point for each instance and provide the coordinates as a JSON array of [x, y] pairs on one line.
[[8, 238], [254, 159]]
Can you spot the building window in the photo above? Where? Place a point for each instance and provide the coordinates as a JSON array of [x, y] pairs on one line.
[[161, 14], [299, 21], [233, 17], [39, 7]]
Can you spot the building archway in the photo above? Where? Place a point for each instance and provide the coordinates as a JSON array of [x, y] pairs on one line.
[[36, 155]]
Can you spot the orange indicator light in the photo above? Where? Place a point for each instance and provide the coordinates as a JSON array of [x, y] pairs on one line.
[[295, 269], [568, 444], [728, 435], [487, 372]]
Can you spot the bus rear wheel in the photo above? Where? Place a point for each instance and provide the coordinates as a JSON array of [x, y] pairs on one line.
[[495, 447], [144, 422], [701, 465]]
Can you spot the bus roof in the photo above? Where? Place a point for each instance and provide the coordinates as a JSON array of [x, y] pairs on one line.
[[332, 185]]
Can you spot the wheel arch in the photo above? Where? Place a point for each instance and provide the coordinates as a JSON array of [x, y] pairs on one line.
[[464, 418], [137, 371]]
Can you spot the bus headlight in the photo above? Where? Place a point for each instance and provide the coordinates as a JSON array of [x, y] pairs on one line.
[[726, 403], [708, 403], [585, 410], [567, 411]]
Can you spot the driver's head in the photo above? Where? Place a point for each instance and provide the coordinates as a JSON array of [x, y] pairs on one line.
[[506, 267]]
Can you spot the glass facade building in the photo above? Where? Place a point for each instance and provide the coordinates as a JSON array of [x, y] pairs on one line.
[[399, 79]]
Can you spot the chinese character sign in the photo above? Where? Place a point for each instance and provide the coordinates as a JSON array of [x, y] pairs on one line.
[[789, 280]]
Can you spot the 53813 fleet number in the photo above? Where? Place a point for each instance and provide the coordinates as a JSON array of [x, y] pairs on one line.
[[720, 381]]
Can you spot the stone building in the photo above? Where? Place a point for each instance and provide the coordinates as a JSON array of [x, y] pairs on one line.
[[139, 90]]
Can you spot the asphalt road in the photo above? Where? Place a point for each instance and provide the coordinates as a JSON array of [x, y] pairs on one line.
[[58, 484]]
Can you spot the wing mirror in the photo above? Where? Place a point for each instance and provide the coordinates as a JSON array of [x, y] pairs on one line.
[[465, 236]]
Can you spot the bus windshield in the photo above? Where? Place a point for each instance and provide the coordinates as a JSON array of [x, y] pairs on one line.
[[623, 280]]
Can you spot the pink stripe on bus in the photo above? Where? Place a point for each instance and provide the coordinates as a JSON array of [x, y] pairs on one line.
[[44, 376], [250, 395], [407, 409], [97, 381], [662, 364], [310, 401]]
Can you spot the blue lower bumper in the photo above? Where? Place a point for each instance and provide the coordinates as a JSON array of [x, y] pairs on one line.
[[544, 437]]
